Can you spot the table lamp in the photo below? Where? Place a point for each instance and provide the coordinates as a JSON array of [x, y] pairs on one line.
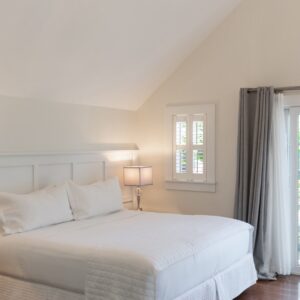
[[138, 176]]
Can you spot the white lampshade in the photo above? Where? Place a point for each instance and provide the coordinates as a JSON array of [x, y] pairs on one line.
[[137, 175]]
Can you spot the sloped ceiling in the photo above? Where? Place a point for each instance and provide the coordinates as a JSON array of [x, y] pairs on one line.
[[111, 53]]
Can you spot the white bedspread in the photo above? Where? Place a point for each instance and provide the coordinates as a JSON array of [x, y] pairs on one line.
[[127, 255]]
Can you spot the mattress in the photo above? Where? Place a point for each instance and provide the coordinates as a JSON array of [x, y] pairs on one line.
[[181, 251]]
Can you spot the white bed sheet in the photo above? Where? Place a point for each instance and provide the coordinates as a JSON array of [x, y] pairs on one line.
[[182, 250]]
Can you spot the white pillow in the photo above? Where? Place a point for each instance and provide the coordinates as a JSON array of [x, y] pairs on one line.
[[99, 198], [23, 212]]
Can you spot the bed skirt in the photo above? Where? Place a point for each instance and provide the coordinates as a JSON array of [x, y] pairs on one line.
[[225, 285]]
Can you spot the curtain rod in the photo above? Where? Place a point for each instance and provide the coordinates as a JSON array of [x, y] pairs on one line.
[[279, 90]]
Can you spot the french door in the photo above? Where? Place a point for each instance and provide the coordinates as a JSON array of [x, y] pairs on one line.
[[293, 121]]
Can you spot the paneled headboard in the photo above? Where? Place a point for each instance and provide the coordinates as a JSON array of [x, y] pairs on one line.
[[26, 172]]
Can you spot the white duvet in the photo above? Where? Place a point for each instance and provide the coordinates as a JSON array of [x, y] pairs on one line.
[[127, 255]]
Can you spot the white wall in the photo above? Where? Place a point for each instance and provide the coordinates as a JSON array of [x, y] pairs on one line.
[[29, 125], [259, 44]]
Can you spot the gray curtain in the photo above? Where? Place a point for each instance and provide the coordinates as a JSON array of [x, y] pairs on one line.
[[251, 198]]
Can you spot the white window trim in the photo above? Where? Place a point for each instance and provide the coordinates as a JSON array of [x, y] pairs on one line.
[[209, 185]]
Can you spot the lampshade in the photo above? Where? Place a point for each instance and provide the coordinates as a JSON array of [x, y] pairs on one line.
[[138, 175]]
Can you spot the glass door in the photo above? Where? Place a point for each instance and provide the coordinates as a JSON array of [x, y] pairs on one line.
[[294, 144]]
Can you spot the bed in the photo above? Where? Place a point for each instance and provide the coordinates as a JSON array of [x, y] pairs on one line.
[[127, 255]]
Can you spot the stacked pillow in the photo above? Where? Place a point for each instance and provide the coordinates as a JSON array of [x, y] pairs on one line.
[[100, 198], [24, 212]]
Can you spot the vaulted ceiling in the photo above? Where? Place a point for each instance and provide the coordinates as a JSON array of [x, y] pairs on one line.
[[111, 53]]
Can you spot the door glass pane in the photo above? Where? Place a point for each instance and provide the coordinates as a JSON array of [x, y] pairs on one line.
[[181, 133], [198, 132], [298, 185], [198, 162], [181, 163]]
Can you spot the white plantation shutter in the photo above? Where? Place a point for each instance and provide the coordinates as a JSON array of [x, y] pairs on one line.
[[198, 146], [180, 146], [189, 147], [190, 132]]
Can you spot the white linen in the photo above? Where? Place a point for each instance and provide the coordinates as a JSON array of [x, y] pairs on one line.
[[229, 283], [99, 198], [176, 252], [15, 289], [280, 245], [23, 212]]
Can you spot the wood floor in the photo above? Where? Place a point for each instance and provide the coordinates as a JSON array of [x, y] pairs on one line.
[[284, 288]]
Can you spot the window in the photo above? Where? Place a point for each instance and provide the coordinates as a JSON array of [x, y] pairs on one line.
[[190, 147]]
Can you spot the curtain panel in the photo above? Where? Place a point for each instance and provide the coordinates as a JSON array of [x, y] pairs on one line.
[[279, 191], [252, 203]]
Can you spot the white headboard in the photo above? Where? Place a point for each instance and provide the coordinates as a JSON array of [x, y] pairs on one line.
[[26, 172]]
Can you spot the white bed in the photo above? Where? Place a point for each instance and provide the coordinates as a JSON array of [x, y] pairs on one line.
[[124, 255], [132, 255]]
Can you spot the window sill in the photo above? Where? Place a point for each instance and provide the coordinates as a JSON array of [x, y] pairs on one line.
[[190, 186]]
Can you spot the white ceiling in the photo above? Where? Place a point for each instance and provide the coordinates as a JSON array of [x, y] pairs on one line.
[[112, 53]]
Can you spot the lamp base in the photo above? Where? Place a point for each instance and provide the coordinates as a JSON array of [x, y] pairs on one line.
[[138, 198]]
